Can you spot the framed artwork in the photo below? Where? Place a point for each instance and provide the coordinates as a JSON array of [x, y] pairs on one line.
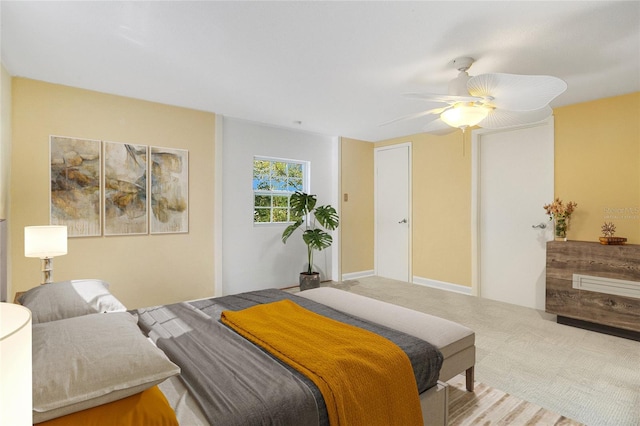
[[125, 189], [74, 189], [169, 190]]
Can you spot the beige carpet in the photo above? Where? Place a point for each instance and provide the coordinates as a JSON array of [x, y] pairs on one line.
[[489, 406], [590, 377]]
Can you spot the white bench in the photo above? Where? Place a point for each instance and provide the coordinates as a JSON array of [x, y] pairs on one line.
[[455, 341]]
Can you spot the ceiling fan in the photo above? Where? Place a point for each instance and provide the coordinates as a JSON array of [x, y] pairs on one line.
[[491, 101]]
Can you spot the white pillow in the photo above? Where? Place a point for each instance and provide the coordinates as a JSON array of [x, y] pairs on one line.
[[86, 361], [67, 299]]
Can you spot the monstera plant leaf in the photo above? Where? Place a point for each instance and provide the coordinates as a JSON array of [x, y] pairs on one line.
[[302, 203], [327, 216], [317, 239], [290, 229]]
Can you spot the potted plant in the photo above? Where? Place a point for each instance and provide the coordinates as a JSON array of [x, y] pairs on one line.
[[304, 210], [560, 213]]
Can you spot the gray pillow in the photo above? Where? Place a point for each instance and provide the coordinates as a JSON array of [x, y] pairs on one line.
[[67, 299], [83, 362]]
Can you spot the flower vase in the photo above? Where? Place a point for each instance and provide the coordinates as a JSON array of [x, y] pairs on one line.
[[560, 228]]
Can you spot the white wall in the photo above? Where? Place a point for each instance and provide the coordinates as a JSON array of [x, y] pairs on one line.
[[254, 257]]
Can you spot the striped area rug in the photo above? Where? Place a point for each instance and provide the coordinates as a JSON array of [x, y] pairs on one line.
[[489, 406]]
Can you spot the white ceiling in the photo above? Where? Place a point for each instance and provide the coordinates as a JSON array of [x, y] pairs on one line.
[[337, 68]]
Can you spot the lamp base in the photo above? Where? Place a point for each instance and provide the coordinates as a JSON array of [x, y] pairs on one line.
[[47, 270]]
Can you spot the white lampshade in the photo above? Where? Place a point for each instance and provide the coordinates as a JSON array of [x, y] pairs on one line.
[[464, 115], [15, 365], [45, 241]]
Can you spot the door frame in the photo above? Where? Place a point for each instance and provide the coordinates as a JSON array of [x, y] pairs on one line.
[[409, 206], [476, 138]]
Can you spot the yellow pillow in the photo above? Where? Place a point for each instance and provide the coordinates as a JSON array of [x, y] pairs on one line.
[[149, 408]]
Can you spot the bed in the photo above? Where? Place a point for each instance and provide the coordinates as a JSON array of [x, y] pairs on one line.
[[185, 363]]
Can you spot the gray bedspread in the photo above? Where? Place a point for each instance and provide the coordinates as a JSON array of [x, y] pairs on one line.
[[236, 382]]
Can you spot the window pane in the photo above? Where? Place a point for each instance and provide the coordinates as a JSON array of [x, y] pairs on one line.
[[279, 169], [261, 169], [279, 184], [295, 170], [262, 201], [262, 215], [262, 185], [295, 185], [280, 215], [280, 201]]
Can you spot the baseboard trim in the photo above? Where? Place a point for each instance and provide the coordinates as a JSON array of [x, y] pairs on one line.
[[456, 288], [356, 275]]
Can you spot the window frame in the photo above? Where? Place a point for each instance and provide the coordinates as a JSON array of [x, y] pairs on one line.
[[306, 165]]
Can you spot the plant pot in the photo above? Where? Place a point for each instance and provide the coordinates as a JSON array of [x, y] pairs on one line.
[[309, 281]]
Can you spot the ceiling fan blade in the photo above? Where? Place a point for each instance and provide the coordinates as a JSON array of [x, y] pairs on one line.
[[416, 115], [450, 99], [501, 118], [438, 127], [517, 92]]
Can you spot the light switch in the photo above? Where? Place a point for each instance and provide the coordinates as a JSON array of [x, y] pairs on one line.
[[346, 197]]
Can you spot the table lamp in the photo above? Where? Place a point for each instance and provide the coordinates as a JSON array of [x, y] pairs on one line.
[[15, 365], [45, 242]]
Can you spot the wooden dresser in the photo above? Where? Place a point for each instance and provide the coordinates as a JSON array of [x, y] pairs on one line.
[[595, 286]]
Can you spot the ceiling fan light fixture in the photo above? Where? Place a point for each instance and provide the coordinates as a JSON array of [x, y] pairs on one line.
[[463, 116], [490, 101]]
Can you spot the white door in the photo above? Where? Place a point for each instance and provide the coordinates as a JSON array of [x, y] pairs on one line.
[[392, 211], [513, 179]]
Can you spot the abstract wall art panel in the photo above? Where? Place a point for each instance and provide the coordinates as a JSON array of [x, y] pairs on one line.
[[75, 170], [125, 189], [169, 190]]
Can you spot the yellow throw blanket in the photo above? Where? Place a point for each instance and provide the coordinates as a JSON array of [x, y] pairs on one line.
[[364, 378]]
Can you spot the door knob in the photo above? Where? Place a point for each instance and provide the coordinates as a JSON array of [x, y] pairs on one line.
[[403, 221], [541, 225]]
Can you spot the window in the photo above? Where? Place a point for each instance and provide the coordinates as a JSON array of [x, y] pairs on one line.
[[274, 180]]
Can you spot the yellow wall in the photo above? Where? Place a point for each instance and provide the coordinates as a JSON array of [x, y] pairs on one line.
[[142, 270], [356, 214], [598, 165]]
